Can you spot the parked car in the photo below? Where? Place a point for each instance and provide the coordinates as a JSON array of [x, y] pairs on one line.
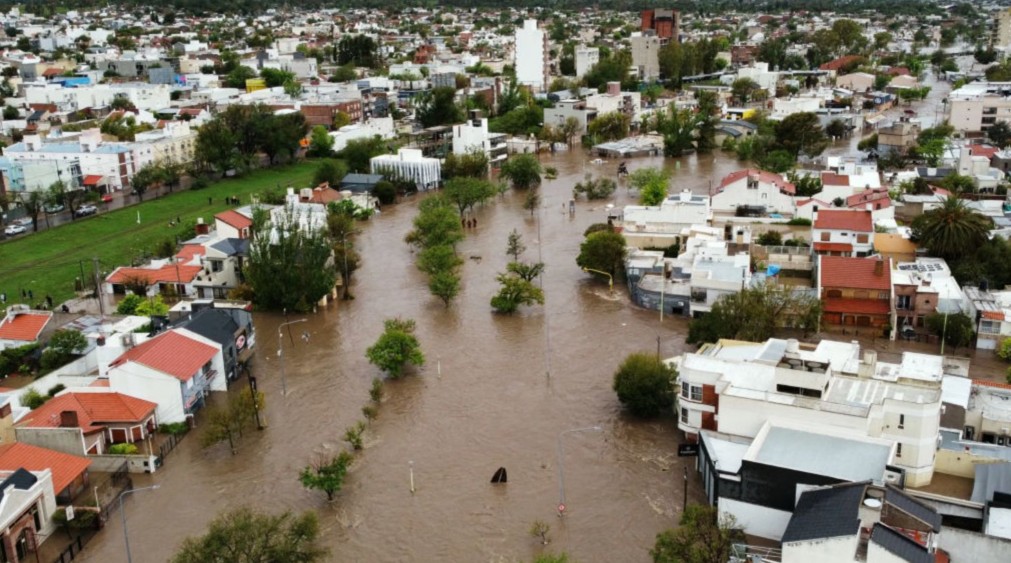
[[12, 230], [54, 208], [85, 210]]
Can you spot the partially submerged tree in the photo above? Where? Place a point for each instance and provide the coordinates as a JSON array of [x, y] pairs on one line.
[[326, 473], [704, 536], [514, 292], [243, 535], [602, 250], [652, 185], [522, 170], [645, 385], [755, 313], [227, 422], [396, 347]]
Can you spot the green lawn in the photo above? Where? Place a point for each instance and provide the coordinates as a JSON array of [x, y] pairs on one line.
[[48, 262]]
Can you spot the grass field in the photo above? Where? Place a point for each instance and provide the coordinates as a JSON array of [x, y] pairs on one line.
[[49, 261]]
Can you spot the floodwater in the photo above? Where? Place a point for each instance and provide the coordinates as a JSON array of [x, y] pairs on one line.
[[496, 391]]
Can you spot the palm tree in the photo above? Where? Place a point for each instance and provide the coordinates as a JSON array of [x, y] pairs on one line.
[[951, 230]]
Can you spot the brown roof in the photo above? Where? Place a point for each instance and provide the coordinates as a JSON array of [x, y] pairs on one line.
[[24, 327], [235, 219], [865, 306], [172, 353], [169, 273], [65, 467], [839, 63], [93, 409], [856, 273], [844, 220], [833, 247], [763, 176]]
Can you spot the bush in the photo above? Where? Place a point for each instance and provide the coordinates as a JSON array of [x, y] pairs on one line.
[[52, 359], [56, 389], [596, 228], [174, 428], [376, 392], [129, 304], [33, 399], [82, 519], [353, 435], [123, 449], [386, 192], [770, 238], [1004, 350], [799, 222], [645, 385]]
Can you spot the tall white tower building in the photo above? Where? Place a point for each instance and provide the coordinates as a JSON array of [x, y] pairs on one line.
[[531, 56]]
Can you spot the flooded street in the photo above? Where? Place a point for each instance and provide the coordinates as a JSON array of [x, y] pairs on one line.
[[494, 404], [496, 391]]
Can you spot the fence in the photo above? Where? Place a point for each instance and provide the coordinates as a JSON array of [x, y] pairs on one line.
[[74, 549]]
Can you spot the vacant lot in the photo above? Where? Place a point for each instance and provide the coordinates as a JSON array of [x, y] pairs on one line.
[[49, 261]]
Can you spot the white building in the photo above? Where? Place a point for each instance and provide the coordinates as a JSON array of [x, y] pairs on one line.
[[113, 163], [531, 56], [409, 164], [613, 100], [978, 105], [843, 232], [586, 58], [760, 73], [375, 127], [750, 384], [472, 135], [661, 225], [753, 188], [646, 55]]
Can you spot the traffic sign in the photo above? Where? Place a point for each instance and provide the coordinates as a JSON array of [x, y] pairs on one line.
[[561, 507]]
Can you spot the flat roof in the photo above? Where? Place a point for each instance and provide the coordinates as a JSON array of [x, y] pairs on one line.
[[848, 458], [727, 452]]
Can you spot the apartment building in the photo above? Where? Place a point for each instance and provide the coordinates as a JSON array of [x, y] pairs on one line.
[[531, 60], [978, 105]]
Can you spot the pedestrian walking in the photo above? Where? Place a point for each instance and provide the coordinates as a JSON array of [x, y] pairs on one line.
[[31, 296], [49, 301], [475, 222], [210, 201], [3, 297]]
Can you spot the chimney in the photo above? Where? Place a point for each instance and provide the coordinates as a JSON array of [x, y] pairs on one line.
[[613, 88], [201, 227], [68, 419], [879, 267]]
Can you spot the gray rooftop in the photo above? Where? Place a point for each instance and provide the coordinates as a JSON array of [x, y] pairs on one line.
[[850, 459], [826, 513], [899, 545]]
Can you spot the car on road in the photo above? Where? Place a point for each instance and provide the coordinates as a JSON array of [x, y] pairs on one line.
[[54, 208], [85, 210], [12, 230]]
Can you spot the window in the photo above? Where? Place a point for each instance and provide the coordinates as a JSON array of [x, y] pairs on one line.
[[903, 301], [825, 237], [696, 393], [898, 449], [902, 421], [862, 238], [684, 415], [691, 392], [989, 327], [685, 389]]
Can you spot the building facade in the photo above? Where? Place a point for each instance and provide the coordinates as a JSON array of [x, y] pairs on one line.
[[531, 62]]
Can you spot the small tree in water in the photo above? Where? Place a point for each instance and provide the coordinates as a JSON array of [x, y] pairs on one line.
[[325, 474], [396, 348]]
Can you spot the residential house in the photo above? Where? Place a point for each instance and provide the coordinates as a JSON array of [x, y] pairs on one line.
[[895, 246], [856, 81], [839, 232], [924, 287], [899, 136], [472, 135], [990, 316], [875, 200], [660, 226], [856, 291], [22, 326], [26, 509], [861, 522], [586, 58], [613, 100], [753, 191], [115, 162], [69, 472], [576, 109], [88, 423], [175, 369], [230, 327], [166, 275], [978, 105]]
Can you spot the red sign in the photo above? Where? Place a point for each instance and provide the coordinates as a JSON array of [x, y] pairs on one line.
[[561, 508]]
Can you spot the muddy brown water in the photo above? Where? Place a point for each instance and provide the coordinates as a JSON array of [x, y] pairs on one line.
[[496, 391]]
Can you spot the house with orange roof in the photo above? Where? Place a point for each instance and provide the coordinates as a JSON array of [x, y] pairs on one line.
[[88, 423], [843, 232], [856, 291], [22, 326], [176, 370], [233, 224], [169, 276], [70, 472], [753, 189]]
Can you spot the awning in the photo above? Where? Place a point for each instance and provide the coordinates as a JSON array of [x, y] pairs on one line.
[[874, 119], [93, 180]]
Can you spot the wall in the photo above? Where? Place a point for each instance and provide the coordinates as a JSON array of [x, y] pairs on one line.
[[134, 463], [973, 546], [757, 520], [960, 463], [831, 550], [140, 382], [66, 440]]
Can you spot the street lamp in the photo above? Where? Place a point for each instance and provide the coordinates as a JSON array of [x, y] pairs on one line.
[[610, 278], [280, 352], [561, 458], [122, 512]]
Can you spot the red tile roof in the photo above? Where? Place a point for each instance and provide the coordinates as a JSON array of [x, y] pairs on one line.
[[65, 467], [93, 411], [993, 315], [172, 353], [983, 150], [93, 179], [190, 251], [235, 219], [898, 71], [844, 220], [856, 306], [833, 179], [49, 72], [169, 273], [24, 327], [833, 247], [878, 197], [989, 383], [840, 62], [763, 176], [856, 273]]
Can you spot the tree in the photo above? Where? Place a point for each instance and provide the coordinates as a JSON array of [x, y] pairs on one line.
[[999, 134], [275, 77], [514, 245], [645, 385], [345, 73], [515, 291], [652, 185], [678, 128], [801, 133], [283, 135], [216, 146], [144, 179], [445, 285], [525, 271], [743, 88], [438, 258], [358, 153], [438, 107], [770, 238], [600, 188], [569, 129], [466, 192], [836, 129], [330, 171], [33, 202], [473, 164], [226, 422], [957, 330], [539, 529], [522, 170], [67, 342], [755, 313], [152, 307], [951, 230], [602, 250], [326, 474], [358, 50], [532, 201], [11, 112], [289, 267], [609, 127], [704, 536], [778, 161], [436, 224], [320, 142], [244, 536], [237, 78], [396, 347]]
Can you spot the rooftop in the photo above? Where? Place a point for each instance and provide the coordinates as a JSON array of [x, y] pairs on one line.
[[65, 467], [845, 220], [93, 409], [24, 326], [827, 453], [826, 513], [856, 273], [172, 353]]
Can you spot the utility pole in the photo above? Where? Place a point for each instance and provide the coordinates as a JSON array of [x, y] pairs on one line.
[[98, 289]]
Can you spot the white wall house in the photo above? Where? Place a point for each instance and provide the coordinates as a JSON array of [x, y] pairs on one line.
[[753, 188], [410, 164], [531, 56], [114, 162], [376, 126], [843, 232], [472, 135], [175, 369], [586, 57]]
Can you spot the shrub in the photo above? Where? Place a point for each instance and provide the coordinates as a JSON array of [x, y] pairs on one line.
[[56, 389], [1004, 350], [799, 222], [370, 412], [123, 449], [129, 304], [33, 399], [174, 428], [52, 359], [353, 435], [645, 385], [376, 392], [386, 192]]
